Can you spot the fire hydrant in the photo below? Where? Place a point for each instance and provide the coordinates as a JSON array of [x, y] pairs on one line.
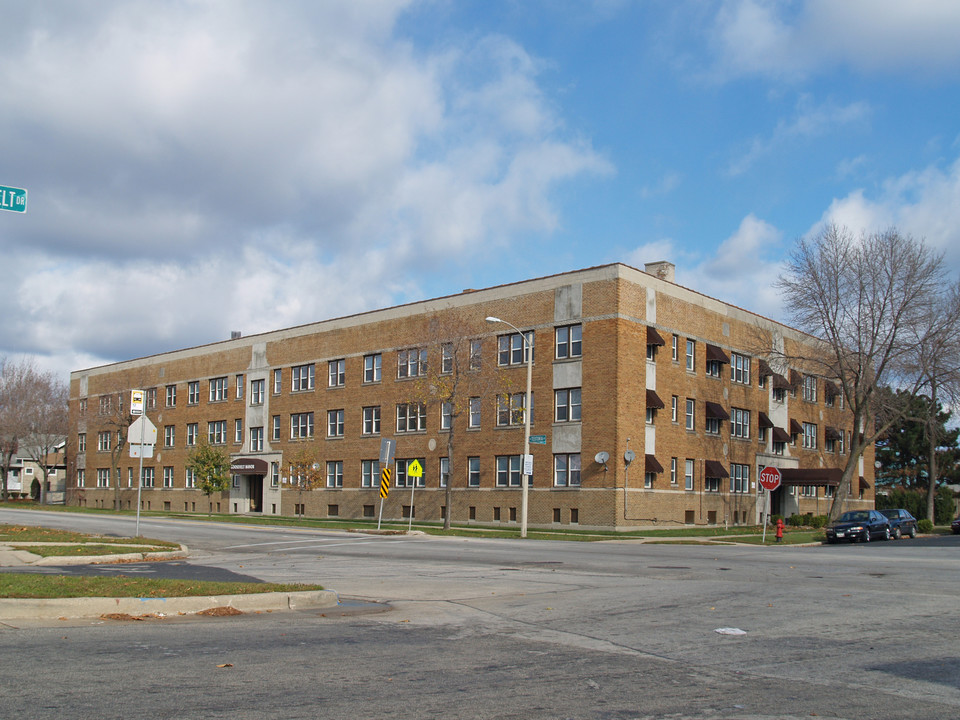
[[779, 529]]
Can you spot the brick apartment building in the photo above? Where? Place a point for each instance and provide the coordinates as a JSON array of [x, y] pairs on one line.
[[626, 363]]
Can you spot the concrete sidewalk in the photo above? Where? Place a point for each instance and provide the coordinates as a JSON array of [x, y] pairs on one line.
[[73, 608]]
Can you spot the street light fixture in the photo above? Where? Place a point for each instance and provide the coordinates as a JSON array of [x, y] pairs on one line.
[[528, 349]]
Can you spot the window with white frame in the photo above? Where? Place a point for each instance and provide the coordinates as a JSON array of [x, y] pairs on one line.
[[147, 477], [810, 436], [81, 442], [691, 415], [302, 377], [371, 420], [674, 348], [301, 426], [81, 477], [151, 399], [567, 405], [474, 420], [473, 472], [238, 431], [404, 480], [739, 478], [739, 368], [713, 368], [510, 409], [569, 341], [190, 478], [103, 440], [509, 470], [103, 477], [274, 474], [739, 423], [712, 426], [275, 427], [239, 385], [372, 365], [446, 415], [476, 354], [277, 381], [106, 404], [648, 479], [256, 439], [688, 475], [193, 392], [673, 471], [711, 484], [829, 491], [446, 358], [217, 432], [192, 432], [444, 471], [842, 441], [810, 388], [334, 423], [566, 470], [369, 473], [674, 407], [257, 388], [169, 436], [334, 473], [691, 355], [218, 389], [512, 349], [168, 476], [808, 491], [411, 363], [171, 396], [337, 373], [411, 417]]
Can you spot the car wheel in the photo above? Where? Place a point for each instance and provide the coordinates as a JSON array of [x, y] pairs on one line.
[[897, 534], [886, 533], [866, 535], [913, 531]]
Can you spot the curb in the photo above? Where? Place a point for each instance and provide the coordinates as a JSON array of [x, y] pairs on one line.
[[72, 608]]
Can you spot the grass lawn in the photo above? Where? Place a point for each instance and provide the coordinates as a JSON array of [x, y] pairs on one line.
[[29, 585], [23, 533]]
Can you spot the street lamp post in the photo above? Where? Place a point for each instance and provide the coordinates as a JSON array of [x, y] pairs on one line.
[[528, 349]]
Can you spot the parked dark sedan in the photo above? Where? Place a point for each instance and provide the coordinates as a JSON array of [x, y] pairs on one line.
[[862, 525], [955, 526], [901, 523]]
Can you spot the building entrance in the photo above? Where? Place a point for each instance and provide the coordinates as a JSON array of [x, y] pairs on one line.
[[255, 487]]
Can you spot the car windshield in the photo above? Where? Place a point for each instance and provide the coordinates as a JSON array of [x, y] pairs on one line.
[[855, 516], [890, 513]]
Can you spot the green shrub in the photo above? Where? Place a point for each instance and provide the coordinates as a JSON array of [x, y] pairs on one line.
[[797, 520], [925, 525], [819, 521]]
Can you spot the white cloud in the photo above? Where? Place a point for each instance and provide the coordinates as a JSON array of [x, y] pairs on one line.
[[756, 37]]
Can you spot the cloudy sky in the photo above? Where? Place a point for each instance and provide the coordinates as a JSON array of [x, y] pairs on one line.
[[201, 166]]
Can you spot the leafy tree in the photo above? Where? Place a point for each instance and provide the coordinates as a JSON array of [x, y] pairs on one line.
[[915, 502], [305, 470], [210, 466], [869, 300]]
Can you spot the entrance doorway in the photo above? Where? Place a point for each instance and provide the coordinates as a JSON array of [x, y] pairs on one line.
[[255, 488]]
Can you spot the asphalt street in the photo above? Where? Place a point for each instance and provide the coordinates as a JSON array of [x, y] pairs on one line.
[[508, 628]]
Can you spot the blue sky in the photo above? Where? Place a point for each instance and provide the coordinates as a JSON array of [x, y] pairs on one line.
[[196, 167]]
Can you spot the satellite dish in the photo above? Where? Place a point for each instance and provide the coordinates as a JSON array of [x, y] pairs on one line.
[[628, 456], [601, 458]]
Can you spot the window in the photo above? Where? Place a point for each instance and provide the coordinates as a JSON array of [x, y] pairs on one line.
[[446, 415], [302, 377], [841, 442], [476, 354], [446, 358], [739, 478], [103, 440], [337, 373], [411, 363], [691, 354], [106, 404], [81, 442], [103, 477], [334, 473], [257, 392], [569, 341], [711, 485], [808, 491], [567, 404], [810, 436], [274, 474], [218, 389], [401, 473], [809, 388], [190, 479], [371, 420], [238, 431], [474, 419], [301, 426], [712, 426], [688, 475], [509, 469], [673, 471], [193, 392], [411, 417], [651, 415], [713, 368], [334, 423], [192, 432], [511, 349], [256, 439], [828, 491], [691, 414], [83, 407], [444, 471], [81, 477], [510, 409], [169, 436], [151, 399], [674, 403], [779, 448], [369, 473], [168, 476], [566, 470], [674, 350], [371, 368], [217, 432], [275, 424], [739, 368], [779, 394], [739, 423], [147, 476], [277, 381], [648, 479], [239, 386], [473, 472]]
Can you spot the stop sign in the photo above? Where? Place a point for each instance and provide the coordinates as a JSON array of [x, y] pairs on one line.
[[770, 478]]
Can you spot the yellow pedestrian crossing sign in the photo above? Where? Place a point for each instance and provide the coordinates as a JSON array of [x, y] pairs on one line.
[[385, 482], [415, 469]]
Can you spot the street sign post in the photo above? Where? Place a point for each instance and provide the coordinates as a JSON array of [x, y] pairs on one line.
[[414, 473], [13, 199], [770, 478]]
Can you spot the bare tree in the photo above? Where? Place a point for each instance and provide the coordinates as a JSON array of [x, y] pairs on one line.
[[16, 397], [47, 424], [869, 299]]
